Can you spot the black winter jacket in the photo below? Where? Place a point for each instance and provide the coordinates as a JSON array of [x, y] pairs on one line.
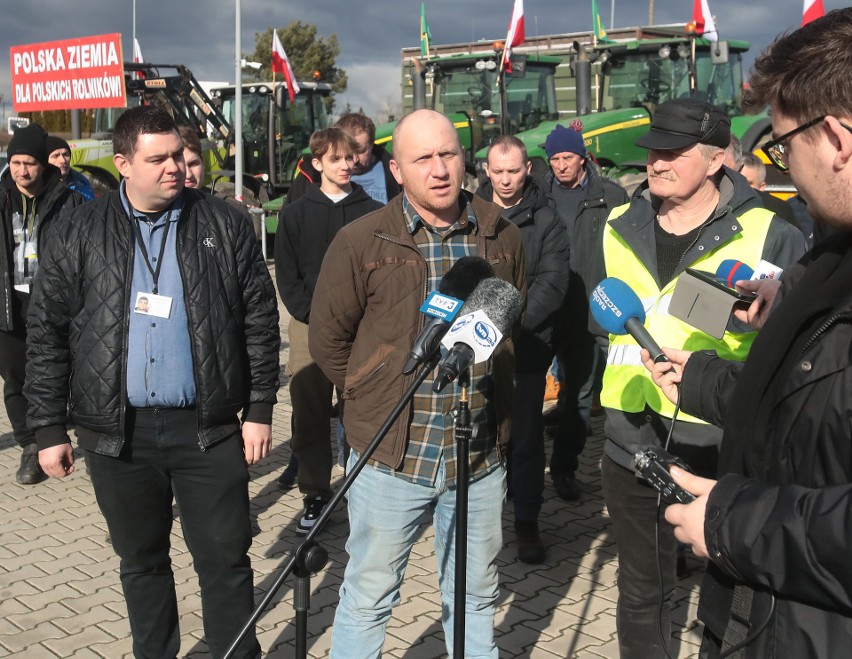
[[546, 253], [585, 233], [780, 518], [305, 230], [52, 200], [79, 319], [306, 176]]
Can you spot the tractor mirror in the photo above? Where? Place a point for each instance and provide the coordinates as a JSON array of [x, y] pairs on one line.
[[719, 52]]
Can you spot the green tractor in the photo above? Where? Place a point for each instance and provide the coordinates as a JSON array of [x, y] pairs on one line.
[[465, 87], [632, 78]]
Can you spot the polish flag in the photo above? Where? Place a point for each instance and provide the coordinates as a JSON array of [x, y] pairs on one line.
[[281, 64], [813, 9], [137, 59], [703, 20], [516, 35]]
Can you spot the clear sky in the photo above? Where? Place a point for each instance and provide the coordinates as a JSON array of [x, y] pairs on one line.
[[201, 33]]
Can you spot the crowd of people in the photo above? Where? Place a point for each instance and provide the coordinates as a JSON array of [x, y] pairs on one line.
[[147, 318]]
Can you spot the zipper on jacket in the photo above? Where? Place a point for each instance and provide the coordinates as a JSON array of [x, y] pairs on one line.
[[700, 234], [425, 267], [180, 244], [845, 316]]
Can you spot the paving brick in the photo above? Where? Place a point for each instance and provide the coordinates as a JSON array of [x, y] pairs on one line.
[[61, 597]]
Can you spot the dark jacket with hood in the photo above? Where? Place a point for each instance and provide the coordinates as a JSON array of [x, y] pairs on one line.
[[306, 176], [783, 246], [305, 230], [53, 198], [585, 231], [779, 520], [546, 253], [80, 315]]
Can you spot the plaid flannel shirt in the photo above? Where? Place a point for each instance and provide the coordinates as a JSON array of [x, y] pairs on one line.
[[431, 431]]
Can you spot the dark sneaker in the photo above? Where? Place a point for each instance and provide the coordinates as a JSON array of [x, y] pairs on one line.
[[566, 487], [287, 480], [30, 472], [530, 547], [313, 509]]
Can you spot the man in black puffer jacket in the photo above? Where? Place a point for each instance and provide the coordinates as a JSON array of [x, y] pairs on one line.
[[157, 389], [583, 199], [305, 230], [546, 249], [31, 196]]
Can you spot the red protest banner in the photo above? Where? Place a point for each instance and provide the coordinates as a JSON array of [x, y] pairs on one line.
[[71, 74]]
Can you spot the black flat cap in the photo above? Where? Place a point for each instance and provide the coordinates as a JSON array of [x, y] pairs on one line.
[[683, 122]]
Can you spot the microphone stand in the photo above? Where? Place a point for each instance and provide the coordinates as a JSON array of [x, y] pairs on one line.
[[462, 431], [309, 557]]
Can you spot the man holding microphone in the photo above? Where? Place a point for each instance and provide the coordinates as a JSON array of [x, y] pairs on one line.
[[776, 525]]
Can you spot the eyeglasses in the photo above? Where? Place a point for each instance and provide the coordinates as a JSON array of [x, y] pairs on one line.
[[777, 152]]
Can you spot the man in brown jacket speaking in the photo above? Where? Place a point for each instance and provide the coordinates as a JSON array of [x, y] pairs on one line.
[[364, 319]]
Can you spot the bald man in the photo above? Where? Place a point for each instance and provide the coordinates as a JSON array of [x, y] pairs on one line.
[[364, 319]]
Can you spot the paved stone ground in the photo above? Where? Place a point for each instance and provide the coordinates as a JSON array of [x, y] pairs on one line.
[[60, 595]]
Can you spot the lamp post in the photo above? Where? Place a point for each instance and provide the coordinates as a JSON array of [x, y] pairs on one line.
[[238, 109]]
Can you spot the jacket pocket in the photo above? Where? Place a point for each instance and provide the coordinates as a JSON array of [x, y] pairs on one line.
[[357, 382]]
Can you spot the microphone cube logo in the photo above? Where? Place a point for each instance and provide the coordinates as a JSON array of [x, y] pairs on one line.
[[485, 334], [441, 306]]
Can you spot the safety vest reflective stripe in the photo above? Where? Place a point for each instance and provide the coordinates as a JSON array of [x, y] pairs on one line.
[[621, 354], [627, 384]]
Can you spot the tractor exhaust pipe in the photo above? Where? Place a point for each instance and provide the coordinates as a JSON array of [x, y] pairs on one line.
[[583, 79], [418, 79]]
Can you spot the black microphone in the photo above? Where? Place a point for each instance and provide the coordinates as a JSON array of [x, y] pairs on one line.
[[618, 310], [458, 282], [494, 307]]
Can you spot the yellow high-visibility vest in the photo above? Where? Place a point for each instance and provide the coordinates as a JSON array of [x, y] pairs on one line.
[[627, 385]]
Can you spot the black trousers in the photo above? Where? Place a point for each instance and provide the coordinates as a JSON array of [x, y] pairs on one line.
[[13, 363], [162, 461]]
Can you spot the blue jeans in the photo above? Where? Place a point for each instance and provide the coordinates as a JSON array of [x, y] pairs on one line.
[[385, 513]]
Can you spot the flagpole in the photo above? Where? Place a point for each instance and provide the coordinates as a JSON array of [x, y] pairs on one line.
[[238, 108]]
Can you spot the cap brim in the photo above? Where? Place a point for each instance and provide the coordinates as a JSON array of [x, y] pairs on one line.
[[663, 141]]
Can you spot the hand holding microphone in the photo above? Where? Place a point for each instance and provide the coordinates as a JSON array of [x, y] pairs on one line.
[[618, 310]]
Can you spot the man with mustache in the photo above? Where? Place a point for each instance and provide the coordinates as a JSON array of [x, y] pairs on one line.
[[691, 213]]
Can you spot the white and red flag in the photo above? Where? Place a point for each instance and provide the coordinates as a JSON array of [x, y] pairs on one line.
[[281, 64], [516, 35], [813, 9], [703, 20], [137, 59]]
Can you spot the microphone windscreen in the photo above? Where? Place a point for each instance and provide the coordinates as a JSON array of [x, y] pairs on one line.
[[500, 301], [613, 303], [461, 279], [731, 270]]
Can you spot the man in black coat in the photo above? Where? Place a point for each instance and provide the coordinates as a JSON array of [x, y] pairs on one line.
[[32, 195], [171, 399], [776, 525], [546, 249], [583, 200]]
